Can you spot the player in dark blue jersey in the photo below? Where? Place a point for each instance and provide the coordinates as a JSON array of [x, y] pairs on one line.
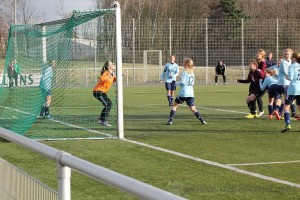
[[269, 61], [220, 69]]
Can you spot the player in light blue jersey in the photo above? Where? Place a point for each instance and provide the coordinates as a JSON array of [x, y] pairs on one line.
[[45, 86], [283, 82], [276, 68], [293, 92], [283, 68], [270, 83], [186, 93], [169, 74]]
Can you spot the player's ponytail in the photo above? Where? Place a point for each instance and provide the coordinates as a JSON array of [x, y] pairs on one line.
[[105, 67], [188, 64]]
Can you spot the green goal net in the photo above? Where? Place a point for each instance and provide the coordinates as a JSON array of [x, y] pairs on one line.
[[73, 52]]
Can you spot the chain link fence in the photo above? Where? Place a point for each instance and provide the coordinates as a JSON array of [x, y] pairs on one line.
[[206, 41]]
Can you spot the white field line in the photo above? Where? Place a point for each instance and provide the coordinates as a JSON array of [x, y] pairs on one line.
[[64, 123], [82, 128], [205, 108], [265, 163], [8, 118], [242, 164], [216, 164], [222, 110], [16, 110]]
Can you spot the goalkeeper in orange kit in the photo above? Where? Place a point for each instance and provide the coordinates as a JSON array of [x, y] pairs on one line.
[[105, 81]]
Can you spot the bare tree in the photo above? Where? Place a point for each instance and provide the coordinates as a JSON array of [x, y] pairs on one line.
[[101, 4], [28, 10], [6, 19], [61, 10], [7, 12], [271, 9]]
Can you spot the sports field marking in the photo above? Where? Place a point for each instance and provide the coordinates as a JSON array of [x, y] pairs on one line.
[[265, 163], [222, 110], [232, 111], [268, 178], [8, 118], [64, 123], [82, 128], [205, 108], [16, 110]]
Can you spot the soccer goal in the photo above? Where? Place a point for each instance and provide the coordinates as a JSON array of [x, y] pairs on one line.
[[79, 45], [152, 65]]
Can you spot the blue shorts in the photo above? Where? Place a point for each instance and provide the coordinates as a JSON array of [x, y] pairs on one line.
[[290, 98], [190, 101], [274, 91], [170, 86], [283, 89]]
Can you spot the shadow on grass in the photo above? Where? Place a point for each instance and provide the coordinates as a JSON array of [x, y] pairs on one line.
[[3, 140]]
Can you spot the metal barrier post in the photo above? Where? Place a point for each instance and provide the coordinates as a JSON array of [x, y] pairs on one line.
[[63, 177]]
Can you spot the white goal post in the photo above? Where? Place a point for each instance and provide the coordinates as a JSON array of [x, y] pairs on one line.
[[145, 58]]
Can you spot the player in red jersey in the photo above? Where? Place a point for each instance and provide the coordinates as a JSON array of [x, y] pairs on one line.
[[261, 61]]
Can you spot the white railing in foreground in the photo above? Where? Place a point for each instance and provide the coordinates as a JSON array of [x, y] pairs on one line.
[[66, 162], [15, 184]]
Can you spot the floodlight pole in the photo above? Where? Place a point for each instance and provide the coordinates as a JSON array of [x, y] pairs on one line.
[[116, 5], [206, 51], [15, 22], [15, 12], [44, 45]]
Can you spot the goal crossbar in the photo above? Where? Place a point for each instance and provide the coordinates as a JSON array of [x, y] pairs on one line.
[[145, 62]]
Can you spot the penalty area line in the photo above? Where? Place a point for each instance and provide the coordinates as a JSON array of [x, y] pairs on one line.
[[205, 108], [222, 110], [216, 164], [265, 163]]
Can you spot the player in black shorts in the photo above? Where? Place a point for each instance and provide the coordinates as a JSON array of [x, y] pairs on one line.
[[220, 70]]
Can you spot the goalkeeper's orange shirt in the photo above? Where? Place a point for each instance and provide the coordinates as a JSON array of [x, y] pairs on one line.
[[105, 82]]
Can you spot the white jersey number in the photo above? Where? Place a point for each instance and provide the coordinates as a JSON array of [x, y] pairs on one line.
[[191, 81]]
